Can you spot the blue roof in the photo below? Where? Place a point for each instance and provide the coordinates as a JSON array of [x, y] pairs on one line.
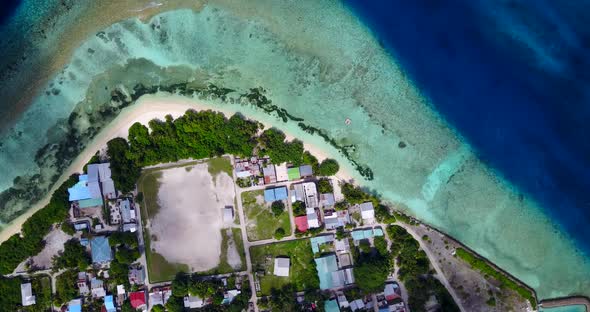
[[79, 191], [108, 304], [75, 306], [318, 240], [378, 232], [367, 233], [325, 266], [274, 194], [91, 202], [331, 306], [101, 250], [84, 241]]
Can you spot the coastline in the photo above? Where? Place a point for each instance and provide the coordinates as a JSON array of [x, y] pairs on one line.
[[150, 107]]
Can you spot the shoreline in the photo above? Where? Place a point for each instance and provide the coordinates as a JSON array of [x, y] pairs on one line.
[[150, 107]]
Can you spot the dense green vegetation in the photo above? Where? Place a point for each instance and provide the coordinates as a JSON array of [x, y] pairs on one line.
[[328, 167], [277, 207], [73, 256], [66, 287], [274, 145], [486, 269], [324, 186], [17, 249], [370, 272], [298, 208], [10, 299], [355, 195], [414, 271], [123, 238], [124, 171], [10, 290]]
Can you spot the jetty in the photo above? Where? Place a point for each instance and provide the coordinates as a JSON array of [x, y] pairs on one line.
[[566, 301]]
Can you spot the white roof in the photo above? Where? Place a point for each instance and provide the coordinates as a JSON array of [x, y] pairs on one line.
[[281, 266], [342, 245], [311, 195], [120, 289], [281, 171], [104, 171], [228, 214], [26, 292], [129, 227], [193, 302], [108, 189], [312, 218], [243, 174], [367, 211]]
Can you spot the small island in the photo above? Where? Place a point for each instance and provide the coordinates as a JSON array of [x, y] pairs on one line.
[[206, 211]]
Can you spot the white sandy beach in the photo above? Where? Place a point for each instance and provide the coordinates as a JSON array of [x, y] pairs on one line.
[[157, 106]]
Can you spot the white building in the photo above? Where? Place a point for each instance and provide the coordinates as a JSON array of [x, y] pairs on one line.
[[26, 292], [312, 218], [367, 212], [282, 172], [193, 302], [282, 266]]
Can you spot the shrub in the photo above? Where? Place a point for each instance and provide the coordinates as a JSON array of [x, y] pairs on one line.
[[324, 186], [277, 207], [280, 233], [298, 208], [328, 167]]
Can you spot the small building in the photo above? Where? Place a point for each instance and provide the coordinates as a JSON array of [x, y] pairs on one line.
[[230, 295], [330, 275], [75, 305], [305, 171], [281, 267], [130, 227], [97, 288], [342, 245], [269, 174], [82, 284], [391, 291], [367, 212], [228, 214], [313, 220], [361, 234], [293, 173], [193, 302], [282, 172], [27, 297], [121, 290], [127, 212], [319, 240], [301, 223], [109, 304], [331, 306], [342, 301], [101, 250], [137, 299], [160, 295], [357, 304], [307, 193], [274, 194], [136, 275], [327, 200], [81, 226]]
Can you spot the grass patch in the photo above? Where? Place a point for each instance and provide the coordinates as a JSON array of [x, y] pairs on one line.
[[302, 273], [261, 222], [218, 165], [224, 266], [483, 267], [149, 185], [160, 270]]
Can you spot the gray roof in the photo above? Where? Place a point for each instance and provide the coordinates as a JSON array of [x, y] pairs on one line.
[[26, 292], [305, 170], [368, 206]]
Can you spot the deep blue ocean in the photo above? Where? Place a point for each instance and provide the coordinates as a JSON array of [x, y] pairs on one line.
[[513, 79]]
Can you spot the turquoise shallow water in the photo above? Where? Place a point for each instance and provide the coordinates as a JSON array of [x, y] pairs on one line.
[[572, 308], [320, 63]]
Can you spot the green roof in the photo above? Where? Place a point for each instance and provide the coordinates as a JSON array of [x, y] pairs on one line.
[[293, 173]]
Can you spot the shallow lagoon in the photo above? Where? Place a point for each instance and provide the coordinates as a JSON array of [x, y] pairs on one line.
[[323, 70]]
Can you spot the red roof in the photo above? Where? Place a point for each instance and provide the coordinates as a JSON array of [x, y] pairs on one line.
[[301, 223], [137, 299]]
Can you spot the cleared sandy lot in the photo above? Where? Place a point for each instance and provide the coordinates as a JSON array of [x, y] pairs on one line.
[[187, 227]]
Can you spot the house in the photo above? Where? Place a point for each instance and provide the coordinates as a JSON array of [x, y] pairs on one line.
[[301, 223], [282, 172], [329, 273], [86, 193], [269, 174], [160, 295], [307, 193], [129, 227], [293, 173], [331, 306], [342, 245], [282, 266], [97, 288], [229, 296], [319, 240], [391, 291], [193, 302], [357, 304], [81, 226], [137, 299], [83, 284], [366, 233], [109, 304], [327, 200], [334, 219], [342, 301], [27, 297], [367, 212], [274, 194], [127, 212], [305, 171], [136, 275], [101, 250], [228, 214], [246, 168], [121, 294], [312, 218], [75, 305], [101, 173]]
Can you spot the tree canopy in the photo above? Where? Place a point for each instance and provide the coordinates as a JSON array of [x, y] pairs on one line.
[[328, 167], [73, 256]]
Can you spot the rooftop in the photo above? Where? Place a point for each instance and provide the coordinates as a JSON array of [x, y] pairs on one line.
[[301, 223], [137, 299], [282, 266], [274, 194], [101, 250], [26, 292]]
